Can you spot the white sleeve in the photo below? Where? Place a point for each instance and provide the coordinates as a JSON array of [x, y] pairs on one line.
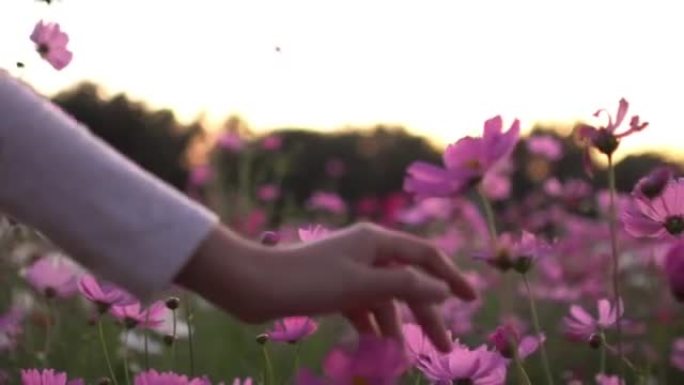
[[106, 212]]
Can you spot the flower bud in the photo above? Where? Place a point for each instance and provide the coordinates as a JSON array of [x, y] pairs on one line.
[[262, 338], [169, 339], [104, 381], [270, 238], [652, 185], [605, 142], [172, 303], [595, 341]]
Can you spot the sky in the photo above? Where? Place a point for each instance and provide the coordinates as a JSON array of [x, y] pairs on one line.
[[439, 68]]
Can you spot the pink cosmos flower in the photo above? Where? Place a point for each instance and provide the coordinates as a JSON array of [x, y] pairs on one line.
[[54, 275], [104, 294], [662, 217], [605, 138], [674, 270], [519, 254], [506, 338], [545, 146], [134, 315], [47, 377], [375, 361], [604, 379], [292, 329], [312, 233], [231, 141], [677, 354], [329, 202], [51, 44], [10, 328], [201, 175], [426, 210], [580, 325], [246, 381], [652, 185], [272, 143], [268, 192], [152, 377], [466, 162]]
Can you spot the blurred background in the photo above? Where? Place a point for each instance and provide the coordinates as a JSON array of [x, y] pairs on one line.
[[353, 90]]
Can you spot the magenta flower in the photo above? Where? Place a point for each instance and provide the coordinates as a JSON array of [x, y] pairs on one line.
[[375, 361], [506, 338], [47, 377], [329, 202], [268, 192], [677, 354], [466, 162], [292, 329], [104, 294], [652, 185], [545, 146], [605, 138], [519, 254], [674, 270], [418, 346], [201, 175], [465, 366], [152, 377], [53, 276], [658, 218], [134, 315], [51, 44], [604, 379], [10, 328], [272, 143], [312, 233], [580, 325]]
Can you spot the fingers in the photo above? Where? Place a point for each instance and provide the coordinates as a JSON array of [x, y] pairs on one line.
[[397, 246], [433, 325], [405, 283], [362, 321], [387, 318]]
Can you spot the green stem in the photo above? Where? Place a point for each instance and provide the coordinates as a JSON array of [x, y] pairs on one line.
[[189, 315], [173, 344], [616, 263], [418, 379], [103, 342], [49, 330], [523, 378], [295, 361], [537, 330], [145, 338], [268, 366], [489, 215], [602, 367], [125, 357]]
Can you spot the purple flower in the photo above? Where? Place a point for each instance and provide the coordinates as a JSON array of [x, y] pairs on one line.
[[104, 294], [466, 162], [152, 377], [674, 269], [677, 354], [10, 328], [605, 138], [51, 44], [662, 217], [519, 254], [134, 315], [231, 141], [604, 379], [652, 185], [580, 325], [375, 361], [418, 346], [329, 202], [312, 233], [268, 192], [506, 338], [292, 329], [44, 377], [545, 146], [272, 143], [54, 276]]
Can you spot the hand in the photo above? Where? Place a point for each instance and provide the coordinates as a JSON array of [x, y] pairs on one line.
[[360, 271]]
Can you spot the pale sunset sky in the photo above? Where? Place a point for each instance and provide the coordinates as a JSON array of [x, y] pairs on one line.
[[439, 68]]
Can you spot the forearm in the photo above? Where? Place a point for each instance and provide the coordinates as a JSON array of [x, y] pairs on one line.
[[109, 214]]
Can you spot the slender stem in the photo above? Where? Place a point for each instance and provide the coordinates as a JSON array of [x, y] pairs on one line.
[[602, 367], [173, 343], [105, 351], [268, 366], [624, 360], [523, 378], [537, 329], [145, 338], [49, 330], [419, 377], [189, 315], [489, 215], [295, 360], [125, 357], [616, 263]]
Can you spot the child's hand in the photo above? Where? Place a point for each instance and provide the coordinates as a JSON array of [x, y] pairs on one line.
[[359, 271]]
